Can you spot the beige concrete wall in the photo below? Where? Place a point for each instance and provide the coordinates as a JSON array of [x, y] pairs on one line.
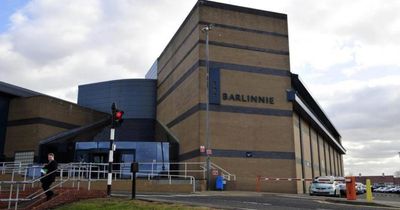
[[51, 108], [248, 132], [26, 137], [306, 152], [173, 46], [253, 84], [165, 82], [227, 35], [332, 160], [240, 19], [297, 146], [184, 97], [247, 169], [238, 131], [246, 57], [188, 137], [322, 155], [314, 146]]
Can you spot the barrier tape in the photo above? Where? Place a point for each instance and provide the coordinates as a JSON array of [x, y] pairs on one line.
[[259, 179], [285, 179]]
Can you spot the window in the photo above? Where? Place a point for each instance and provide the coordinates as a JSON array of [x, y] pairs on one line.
[[24, 157]]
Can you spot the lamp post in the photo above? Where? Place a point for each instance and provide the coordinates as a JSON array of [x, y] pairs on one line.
[[206, 29]]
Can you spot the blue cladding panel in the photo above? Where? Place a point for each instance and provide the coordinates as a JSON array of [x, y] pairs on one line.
[[137, 97], [215, 86]]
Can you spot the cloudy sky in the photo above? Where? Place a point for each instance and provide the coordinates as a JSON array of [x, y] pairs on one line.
[[347, 53]]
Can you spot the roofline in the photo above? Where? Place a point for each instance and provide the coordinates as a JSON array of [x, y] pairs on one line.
[[117, 80], [226, 7], [313, 105], [75, 131], [303, 109], [68, 102], [247, 10], [16, 90]]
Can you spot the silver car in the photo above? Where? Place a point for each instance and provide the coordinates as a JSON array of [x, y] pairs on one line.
[[325, 188]]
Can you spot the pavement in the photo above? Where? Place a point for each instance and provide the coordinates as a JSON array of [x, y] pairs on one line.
[[253, 200]]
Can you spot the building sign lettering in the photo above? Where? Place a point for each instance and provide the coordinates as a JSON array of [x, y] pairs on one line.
[[248, 98]]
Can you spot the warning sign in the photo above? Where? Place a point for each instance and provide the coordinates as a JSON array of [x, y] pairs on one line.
[[202, 149], [209, 152]]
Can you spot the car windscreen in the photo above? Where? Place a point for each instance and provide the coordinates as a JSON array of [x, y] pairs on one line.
[[319, 184]]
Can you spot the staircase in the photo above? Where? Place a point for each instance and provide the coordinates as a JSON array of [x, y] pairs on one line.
[[64, 196]]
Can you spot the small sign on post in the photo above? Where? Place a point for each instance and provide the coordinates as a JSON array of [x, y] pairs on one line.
[[209, 152], [202, 149]]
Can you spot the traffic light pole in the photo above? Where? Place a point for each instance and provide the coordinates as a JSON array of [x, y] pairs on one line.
[[110, 160], [111, 151]]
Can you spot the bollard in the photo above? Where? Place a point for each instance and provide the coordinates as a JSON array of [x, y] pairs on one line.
[[351, 188], [134, 169], [369, 191]]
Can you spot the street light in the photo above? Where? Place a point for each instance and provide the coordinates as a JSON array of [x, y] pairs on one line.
[[206, 29]]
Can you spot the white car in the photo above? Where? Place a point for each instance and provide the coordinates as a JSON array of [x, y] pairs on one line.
[[360, 188], [325, 188]]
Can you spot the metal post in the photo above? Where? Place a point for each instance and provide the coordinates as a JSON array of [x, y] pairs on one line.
[[11, 189], [110, 161], [90, 175], [134, 185], [61, 177], [26, 173], [134, 169], [79, 176], [16, 198], [206, 29]]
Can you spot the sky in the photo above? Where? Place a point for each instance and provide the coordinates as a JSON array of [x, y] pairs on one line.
[[346, 53]]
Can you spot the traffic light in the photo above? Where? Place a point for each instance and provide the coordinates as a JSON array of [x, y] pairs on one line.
[[116, 116]]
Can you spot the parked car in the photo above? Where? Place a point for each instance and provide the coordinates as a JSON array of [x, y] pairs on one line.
[[325, 186], [376, 186], [360, 188], [342, 189], [398, 190]]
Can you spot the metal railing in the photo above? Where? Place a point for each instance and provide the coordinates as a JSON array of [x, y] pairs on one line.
[[75, 173], [30, 197], [228, 176]]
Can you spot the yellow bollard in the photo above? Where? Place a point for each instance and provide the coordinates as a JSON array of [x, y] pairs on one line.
[[369, 192]]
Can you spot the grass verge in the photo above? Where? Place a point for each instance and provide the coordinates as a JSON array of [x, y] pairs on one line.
[[122, 204]]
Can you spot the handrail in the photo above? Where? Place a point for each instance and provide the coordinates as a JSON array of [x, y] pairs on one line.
[[215, 166], [89, 172], [33, 195], [192, 179]]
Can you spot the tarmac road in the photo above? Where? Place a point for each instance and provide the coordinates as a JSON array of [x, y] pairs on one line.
[[245, 201]]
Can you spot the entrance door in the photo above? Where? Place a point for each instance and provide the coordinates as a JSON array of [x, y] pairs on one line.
[[99, 158], [126, 160]]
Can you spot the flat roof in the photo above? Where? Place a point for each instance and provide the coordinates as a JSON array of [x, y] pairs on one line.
[[225, 7], [16, 91], [304, 94]]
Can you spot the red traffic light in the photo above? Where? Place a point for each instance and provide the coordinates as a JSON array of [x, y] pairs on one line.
[[119, 114]]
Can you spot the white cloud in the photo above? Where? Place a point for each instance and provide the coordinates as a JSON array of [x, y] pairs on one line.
[[53, 46]]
